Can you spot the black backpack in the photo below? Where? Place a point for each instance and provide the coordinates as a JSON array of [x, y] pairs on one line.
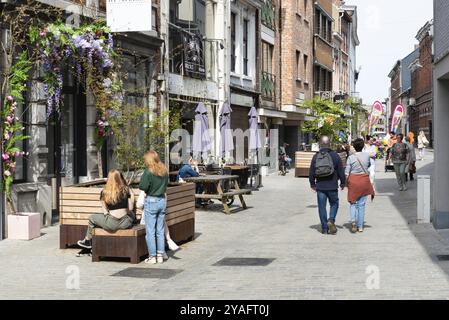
[[324, 165]]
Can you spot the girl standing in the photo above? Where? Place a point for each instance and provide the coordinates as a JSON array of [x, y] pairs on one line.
[[359, 184], [154, 183]]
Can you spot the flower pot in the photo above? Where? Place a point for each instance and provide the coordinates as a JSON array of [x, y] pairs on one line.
[[24, 225]]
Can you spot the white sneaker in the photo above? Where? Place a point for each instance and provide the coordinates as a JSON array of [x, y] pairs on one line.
[[172, 245], [151, 260], [159, 258]]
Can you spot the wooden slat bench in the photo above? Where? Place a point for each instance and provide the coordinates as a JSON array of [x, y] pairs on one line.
[[78, 203], [303, 160], [129, 243]]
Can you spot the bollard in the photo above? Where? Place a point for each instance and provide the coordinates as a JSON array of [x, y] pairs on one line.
[[423, 199]]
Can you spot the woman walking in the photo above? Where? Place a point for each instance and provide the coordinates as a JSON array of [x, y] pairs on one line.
[[423, 143], [117, 201], [359, 184], [154, 183]]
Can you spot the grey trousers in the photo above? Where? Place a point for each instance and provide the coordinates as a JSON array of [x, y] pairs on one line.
[[108, 223], [401, 176]]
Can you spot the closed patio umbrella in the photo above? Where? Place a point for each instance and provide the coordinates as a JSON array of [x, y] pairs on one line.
[[226, 139], [255, 142], [254, 134], [201, 140]]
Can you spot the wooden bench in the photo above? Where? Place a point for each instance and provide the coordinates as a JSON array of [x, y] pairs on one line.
[[78, 203], [228, 194], [303, 160], [129, 243]]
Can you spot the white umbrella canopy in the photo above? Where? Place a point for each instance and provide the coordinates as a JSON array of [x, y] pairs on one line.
[[201, 138], [226, 138]]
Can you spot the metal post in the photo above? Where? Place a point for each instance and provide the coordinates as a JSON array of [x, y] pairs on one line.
[[423, 214]]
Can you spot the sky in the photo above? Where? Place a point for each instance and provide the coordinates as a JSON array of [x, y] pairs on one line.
[[386, 30]]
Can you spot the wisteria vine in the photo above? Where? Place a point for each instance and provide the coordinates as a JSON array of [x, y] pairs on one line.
[[89, 51]]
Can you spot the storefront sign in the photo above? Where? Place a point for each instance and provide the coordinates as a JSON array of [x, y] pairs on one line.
[[129, 15], [194, 56]]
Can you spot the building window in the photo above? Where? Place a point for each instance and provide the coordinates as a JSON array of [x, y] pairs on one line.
[[268, 85], [306, 58], [323, 25], [245, 46], [298, 6], [154, 19], [298, 65], [305, 7], [233, 44], [267, 57], [318, 21]]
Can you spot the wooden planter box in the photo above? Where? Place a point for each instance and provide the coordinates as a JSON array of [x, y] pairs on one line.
[[77, 203], [303, 160]]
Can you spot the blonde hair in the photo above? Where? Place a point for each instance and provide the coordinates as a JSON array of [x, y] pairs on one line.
[[154, 164], [115, 189]]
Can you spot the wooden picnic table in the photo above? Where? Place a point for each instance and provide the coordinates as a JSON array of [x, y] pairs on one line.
[[222, 194]]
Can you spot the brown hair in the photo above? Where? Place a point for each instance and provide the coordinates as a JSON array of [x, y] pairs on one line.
[[115, 189], [154, 164]]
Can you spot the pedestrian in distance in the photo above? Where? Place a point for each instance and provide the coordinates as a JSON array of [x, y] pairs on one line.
[[359, 184], [412, 166], [371, 150], [326, 169], [117, 201], [400, 156], [423, 143], [154, 183]]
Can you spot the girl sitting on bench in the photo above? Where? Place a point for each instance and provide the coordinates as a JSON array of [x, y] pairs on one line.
[[117, 201]]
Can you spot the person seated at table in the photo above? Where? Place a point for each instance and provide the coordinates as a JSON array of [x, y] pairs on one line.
[[187, 171], [117, 201]]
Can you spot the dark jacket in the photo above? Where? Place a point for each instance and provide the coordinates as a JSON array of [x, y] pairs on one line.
[[328, 183]]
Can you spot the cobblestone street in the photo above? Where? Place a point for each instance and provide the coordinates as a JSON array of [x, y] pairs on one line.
[[281, 224]]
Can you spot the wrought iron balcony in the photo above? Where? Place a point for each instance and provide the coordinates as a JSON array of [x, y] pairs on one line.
[[269, 14], [268, 86]]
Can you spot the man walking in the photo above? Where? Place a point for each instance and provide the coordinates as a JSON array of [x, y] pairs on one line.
[[326, 169], [400, 156]]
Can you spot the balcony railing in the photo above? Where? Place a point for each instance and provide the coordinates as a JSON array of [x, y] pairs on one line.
[[269, 14], [268, 86]]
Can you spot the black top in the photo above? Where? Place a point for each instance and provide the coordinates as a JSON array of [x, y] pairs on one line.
[[328, 183], [122, 202]]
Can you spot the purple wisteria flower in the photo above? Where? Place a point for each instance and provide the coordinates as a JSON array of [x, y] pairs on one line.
[[107, 83], [110, 42]]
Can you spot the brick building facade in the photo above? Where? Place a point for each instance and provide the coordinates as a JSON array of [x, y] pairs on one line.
[[323, 48], [421, 109]]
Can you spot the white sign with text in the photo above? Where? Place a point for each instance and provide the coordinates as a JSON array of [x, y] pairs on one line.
[[128, 15]]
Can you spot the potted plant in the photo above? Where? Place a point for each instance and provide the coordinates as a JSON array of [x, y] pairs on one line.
[[20, 225]]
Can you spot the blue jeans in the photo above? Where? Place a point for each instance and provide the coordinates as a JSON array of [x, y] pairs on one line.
[[154, 210], [357, 211], [322, 197]]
